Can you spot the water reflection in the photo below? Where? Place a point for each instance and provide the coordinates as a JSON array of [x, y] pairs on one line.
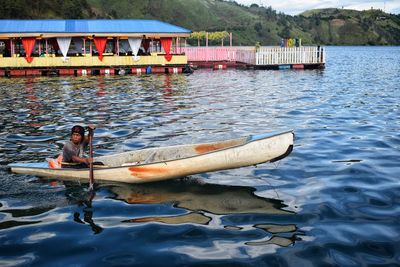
[[14, 223], [233, 208], [84, 201], [34, 104], [210, 198]]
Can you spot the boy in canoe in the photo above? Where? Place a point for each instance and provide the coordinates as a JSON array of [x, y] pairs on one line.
[[73, 149]]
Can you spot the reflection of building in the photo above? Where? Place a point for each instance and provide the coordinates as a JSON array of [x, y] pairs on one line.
[[85, 47]]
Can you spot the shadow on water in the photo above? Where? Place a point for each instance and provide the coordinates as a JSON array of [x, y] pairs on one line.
[[229, 207]]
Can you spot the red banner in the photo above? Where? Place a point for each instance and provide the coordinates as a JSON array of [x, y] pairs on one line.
[[146, 45], [100, 43], [29, 44], [166, 44]]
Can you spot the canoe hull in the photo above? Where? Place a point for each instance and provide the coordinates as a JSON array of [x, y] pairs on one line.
[[255, 150]]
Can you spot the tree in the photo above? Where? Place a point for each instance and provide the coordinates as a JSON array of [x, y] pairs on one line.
[[72, 9], [285, 33], [13, 9], [258, 27], [212, 36], [199, 36]]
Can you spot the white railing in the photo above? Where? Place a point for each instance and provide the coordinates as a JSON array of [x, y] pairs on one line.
[[290, 55], [263, 56]]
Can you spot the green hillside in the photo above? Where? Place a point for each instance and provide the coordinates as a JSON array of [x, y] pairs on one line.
[[350, 27], [248, 24]]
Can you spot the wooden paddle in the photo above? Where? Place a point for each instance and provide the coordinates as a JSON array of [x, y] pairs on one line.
[[91, 174]]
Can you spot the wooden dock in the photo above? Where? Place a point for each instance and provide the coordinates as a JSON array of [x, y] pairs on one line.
[[306, 57]]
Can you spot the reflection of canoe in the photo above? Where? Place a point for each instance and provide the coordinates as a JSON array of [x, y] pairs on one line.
[[234, 208], [209, 198], [155, 164]]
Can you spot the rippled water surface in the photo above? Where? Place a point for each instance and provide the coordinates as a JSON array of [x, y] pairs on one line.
[[333, 202]]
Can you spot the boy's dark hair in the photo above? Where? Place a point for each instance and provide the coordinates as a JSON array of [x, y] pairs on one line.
[[78, 129]]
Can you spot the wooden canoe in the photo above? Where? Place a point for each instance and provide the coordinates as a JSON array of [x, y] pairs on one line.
[[156, 164]]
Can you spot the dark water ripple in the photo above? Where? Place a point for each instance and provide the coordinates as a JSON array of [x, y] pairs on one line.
[[333, 202]]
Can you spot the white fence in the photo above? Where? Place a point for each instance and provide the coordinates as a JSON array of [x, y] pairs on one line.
[[263, 56], [290, 55]]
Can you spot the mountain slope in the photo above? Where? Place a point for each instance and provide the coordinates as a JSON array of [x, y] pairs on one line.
[[248, 24], [351, 27]]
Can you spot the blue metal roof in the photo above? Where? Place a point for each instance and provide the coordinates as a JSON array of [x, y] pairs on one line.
[[89, 26]]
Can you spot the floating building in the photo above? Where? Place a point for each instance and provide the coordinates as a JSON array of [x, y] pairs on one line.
[[87, 47]]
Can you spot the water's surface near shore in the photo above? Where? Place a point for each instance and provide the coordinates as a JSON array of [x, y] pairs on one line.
[[335, 201]]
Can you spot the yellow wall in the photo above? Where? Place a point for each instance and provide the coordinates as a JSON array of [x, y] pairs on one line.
[[90, 61]]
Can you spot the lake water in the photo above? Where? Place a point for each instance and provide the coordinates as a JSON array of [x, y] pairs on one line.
[[335, 201]]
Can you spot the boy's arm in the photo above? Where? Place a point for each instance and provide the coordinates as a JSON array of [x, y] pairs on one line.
[[80, 160]]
